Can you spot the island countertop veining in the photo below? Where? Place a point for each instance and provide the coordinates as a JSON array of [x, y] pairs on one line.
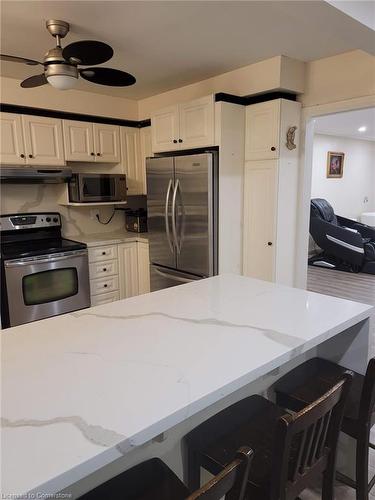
[[82, 389]]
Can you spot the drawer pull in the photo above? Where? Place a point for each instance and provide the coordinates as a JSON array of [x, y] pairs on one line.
[[104, 253], [104, 269], [105, 285]]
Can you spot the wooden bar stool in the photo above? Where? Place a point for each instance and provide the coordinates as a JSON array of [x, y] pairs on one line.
[[306, 382], [154, 480], [290, 451]]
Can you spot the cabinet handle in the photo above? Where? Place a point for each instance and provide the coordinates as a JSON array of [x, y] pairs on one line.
[[269, 243], [104, 269], [180, 140], [30, 156], [105, 285], [175, 141], [273, 148], [98, 154], [103, 253], [22, 155], [92, 154]]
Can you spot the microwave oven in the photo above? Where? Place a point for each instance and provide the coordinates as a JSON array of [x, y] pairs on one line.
[[86, 188]]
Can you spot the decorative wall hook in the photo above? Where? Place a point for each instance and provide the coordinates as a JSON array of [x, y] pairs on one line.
[[290, 136]]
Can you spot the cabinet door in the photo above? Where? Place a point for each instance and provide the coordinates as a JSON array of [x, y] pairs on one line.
[[11, 139], [131, 160], [263, 130], [107, 143], [165, 129], [78, 141], [143, 268], [197, 123], [260, 202], [43, 140], [146, 152], [128, 269]]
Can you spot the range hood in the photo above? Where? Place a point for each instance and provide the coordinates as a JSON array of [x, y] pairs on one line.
[[34, 175]]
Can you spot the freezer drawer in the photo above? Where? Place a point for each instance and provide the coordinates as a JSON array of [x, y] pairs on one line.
[[161, 277]]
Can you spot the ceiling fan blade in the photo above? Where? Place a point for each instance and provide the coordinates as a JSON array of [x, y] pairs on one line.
[[88, 52], [30, 62], [34, 81], [108, 76]]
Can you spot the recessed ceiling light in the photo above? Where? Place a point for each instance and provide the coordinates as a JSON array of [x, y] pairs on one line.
[[362, 129]]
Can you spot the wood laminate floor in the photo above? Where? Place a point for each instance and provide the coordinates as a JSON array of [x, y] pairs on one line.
[[361, 288]]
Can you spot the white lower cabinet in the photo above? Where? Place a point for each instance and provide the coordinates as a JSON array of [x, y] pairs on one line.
[[260, 187], [143, 268], [118, 271], [105, 298], [128, 267]]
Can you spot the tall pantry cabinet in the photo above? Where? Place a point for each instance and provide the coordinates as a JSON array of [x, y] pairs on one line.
[[271, 190]]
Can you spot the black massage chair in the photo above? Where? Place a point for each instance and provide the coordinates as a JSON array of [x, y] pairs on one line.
[[347, 245]]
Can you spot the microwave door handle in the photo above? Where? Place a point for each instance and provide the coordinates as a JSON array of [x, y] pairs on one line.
[[166, 216], [20, 263]]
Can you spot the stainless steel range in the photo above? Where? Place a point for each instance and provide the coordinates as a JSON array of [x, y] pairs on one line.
[[42, 273]]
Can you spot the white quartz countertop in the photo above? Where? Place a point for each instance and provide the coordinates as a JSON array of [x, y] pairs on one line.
[[99, 239], [82, 389]]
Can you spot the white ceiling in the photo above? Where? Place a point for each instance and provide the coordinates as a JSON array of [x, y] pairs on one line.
[[347, 124], [170, 44]]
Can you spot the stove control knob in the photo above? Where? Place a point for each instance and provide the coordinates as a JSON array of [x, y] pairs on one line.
[[48, 219], [55, 219]]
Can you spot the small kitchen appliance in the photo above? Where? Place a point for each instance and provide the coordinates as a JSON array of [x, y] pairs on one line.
[[42, 274], [93, 188]]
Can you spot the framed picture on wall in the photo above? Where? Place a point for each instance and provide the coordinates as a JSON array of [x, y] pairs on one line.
[[335, 165]]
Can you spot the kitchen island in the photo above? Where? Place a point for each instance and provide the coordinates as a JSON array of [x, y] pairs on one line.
[[87, 394]]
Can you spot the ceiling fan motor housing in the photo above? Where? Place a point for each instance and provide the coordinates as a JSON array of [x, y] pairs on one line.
[[57, 28]]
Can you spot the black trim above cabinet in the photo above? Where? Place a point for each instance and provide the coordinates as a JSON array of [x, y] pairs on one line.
[[66, 115], [254, 99]]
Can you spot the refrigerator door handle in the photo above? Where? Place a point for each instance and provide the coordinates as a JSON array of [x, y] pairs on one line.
[[166, 216], [174, 276], [174, 225]]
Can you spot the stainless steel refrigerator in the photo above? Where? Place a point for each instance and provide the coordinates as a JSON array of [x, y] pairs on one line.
[[182, 197]]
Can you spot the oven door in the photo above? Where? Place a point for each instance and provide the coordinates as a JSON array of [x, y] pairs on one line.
[[47, 285]]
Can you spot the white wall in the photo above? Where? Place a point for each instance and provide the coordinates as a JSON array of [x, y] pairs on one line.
[[347, 194], [75, 101]]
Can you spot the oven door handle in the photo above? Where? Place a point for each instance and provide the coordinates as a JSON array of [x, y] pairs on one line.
[[47, 260]]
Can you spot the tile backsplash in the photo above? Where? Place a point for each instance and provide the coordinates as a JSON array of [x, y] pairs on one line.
[[17, 198]]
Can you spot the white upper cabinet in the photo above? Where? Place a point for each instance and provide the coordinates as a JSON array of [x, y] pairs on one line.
[[12, 150], [131, 159], [89, 142], [44, 143], [107, 143], [78, 141], [184, 126], [197, 123], [165, 129], [263, 131]]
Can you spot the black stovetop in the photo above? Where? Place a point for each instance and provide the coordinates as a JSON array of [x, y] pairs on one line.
[[30, 248]]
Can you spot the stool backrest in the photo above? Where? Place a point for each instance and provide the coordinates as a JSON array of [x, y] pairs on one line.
[[232, 479], [307, 441], [367, 405]]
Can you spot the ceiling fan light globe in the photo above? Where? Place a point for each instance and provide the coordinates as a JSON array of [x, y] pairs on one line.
[[62, 82], [62, 76]]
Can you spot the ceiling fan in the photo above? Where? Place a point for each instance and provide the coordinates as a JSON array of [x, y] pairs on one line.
[[61, 64]]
